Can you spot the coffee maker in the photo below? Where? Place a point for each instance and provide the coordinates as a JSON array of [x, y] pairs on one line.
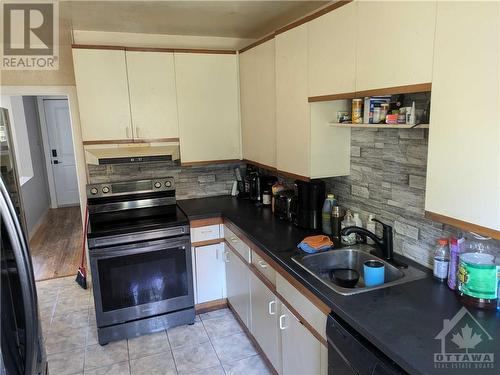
[[310, 198]]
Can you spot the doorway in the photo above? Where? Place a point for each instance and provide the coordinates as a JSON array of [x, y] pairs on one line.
[[48, 186]]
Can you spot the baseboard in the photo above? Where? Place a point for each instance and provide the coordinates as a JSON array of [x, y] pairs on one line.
[[211, 306], [253, 340]]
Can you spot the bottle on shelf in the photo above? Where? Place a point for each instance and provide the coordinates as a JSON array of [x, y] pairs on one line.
[[370, 225], [348, 222], [441, 260]]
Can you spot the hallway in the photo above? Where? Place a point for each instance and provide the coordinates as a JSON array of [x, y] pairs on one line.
[[56, 246]]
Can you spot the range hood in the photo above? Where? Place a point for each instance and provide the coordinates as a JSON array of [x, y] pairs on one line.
[[121, 155]]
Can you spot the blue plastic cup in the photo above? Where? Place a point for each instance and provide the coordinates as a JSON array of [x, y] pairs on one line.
[[374, 272]]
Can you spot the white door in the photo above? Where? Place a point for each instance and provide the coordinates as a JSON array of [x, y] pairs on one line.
[[301, 352], [265, 312], [61, 153], [210, 273], [238, 286]]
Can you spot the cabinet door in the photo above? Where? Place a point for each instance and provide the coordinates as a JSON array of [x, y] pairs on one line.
[[210, 273], [265, 329], [332, 52], [292, 108], [394, 43], [301, 351], [258, 104], [463, 173], [238, 286], [153, 100], [208, 102], [101, 84]]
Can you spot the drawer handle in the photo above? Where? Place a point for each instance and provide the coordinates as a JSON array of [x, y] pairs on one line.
[[234, 239], [226, 256], [282, 322], [270, 309], [262, 264]]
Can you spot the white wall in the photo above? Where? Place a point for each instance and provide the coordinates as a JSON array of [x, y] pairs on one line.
[[14, 105], [35, 192]]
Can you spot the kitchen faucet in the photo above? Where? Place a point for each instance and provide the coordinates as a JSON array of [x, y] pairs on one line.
[[384, 244]]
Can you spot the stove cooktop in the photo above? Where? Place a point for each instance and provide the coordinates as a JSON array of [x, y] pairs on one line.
[[137, 220]]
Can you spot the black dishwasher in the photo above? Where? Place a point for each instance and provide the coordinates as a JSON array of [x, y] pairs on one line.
[[350, 353]]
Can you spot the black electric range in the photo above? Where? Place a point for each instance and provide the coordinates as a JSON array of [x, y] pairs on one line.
[[140, 258]]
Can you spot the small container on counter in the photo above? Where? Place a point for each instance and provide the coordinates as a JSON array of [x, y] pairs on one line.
[[348, 221], [357, 111], [455, 249], [338, 214], [441, 260], [266, 198]]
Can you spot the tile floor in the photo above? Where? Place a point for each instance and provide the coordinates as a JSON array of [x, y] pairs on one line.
[[215, 344]]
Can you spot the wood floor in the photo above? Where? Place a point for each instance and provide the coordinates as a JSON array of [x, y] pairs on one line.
[[56, 246]]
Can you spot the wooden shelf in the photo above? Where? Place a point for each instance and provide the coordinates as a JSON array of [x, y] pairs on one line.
[[407, 89], [379, 126]]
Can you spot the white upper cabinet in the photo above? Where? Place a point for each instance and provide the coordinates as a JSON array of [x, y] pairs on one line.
[[153, 99], [101, 83], [394, 43], [293, 139], [463, 171], [258, 104], [208, 103], [332, 52]]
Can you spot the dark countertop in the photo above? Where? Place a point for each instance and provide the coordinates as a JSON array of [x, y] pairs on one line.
[[401, 321]]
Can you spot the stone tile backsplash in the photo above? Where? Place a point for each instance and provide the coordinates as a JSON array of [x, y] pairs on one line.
[[191, 182], [388, 172]]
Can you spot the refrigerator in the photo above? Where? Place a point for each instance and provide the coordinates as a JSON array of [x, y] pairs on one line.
[[22, 351]]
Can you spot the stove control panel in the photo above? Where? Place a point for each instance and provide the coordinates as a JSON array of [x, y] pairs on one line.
[[130, 187]]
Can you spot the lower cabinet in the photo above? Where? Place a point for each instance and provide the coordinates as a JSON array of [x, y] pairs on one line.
[[301, 351], [238, 285], [210, 273], [265, 312]]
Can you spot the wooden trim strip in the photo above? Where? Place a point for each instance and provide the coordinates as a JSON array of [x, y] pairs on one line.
[[293, 176], [253, 340], [295, 283], [208, 162], [327, 98], [282, 299], [94, 46], [154, 49], [258, 42], [469, 227], [260, 165], [124, 141], [207, 242], [204, 307], [406, 89], [205, 222], [312, 16]]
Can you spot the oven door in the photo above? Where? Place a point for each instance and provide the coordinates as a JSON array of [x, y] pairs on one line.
[[141, 280]]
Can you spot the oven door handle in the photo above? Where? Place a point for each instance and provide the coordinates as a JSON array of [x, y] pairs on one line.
[[142, 247]]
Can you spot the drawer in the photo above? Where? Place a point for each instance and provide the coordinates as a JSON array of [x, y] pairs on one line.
[[237, 244], [264, 268], [314, 316], [210, 232]]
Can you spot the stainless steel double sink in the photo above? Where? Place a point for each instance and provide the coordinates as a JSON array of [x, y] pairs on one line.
[[320, 264]]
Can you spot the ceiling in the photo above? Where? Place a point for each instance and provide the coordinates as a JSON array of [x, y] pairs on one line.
[[237, 19]]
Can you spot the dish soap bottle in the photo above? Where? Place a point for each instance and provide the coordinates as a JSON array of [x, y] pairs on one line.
[[370, 225], [326, 219], [441, 260], [348, 222], [359, 223]]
